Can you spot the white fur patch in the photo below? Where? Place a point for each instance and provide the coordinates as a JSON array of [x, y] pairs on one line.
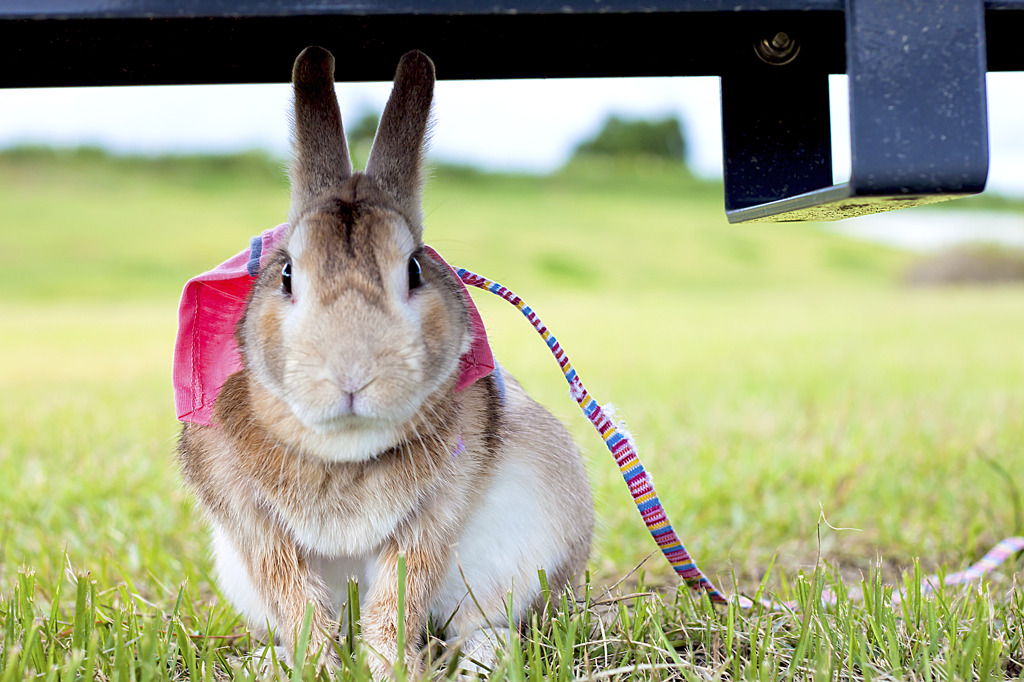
[[509, 537], [233, 579], [480, 649], [297, 240]]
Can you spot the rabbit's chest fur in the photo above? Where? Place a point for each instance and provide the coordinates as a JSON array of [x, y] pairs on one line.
[[341, 509]]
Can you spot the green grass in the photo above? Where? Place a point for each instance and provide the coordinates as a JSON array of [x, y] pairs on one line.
[[769, 372]]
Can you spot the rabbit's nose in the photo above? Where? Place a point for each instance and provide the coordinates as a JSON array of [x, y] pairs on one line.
[[354, 383], [346, 403], [349, 396]]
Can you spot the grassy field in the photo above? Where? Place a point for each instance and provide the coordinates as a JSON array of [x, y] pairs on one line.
[[771, 374]]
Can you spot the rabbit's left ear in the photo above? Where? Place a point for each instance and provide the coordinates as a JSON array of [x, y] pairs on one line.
[[396, 160]]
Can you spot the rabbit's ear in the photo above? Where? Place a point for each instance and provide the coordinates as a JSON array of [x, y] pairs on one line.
[[320, 154], [396, 160]]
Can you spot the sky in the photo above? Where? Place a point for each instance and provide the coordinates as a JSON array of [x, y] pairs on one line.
[[522, 125]]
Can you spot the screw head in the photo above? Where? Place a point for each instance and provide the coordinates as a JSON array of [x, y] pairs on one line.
[[777, 50]]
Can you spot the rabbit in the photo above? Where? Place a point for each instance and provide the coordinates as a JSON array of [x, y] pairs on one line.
[[343, 441]]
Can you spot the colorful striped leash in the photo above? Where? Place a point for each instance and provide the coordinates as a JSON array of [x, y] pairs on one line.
[[995, 557], [620, 444]]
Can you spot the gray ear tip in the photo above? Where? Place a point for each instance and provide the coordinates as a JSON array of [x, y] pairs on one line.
[[416, 62], [313, 62]]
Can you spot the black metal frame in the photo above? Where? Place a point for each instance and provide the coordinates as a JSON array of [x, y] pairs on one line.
[[916, 67], [918, 120]]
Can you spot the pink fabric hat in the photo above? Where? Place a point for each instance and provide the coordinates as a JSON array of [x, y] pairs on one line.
[[206, 354]]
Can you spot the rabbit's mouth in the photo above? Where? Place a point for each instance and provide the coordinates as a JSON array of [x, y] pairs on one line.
[[350, 417], [349, 437], [362, 404], [347, 414], [354, 411], [354, 400]]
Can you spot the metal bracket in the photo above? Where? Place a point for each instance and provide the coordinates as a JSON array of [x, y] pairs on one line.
[[918, 119]]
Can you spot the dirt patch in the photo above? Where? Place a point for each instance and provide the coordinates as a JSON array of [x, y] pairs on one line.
[[968, 264]]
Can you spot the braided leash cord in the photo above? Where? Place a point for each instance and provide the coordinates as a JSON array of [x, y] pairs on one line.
[[1002, 551], [620, 444]]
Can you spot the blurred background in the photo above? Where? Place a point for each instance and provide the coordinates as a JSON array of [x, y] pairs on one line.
[[868, 372]]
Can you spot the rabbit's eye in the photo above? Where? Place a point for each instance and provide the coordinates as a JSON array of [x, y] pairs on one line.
[[286, 277], [415, 274]]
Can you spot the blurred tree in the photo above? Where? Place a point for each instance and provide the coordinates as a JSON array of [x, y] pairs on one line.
[[632, 138], [364, 129], [360, 137]]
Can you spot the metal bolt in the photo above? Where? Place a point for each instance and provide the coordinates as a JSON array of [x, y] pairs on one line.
[[778, 50]]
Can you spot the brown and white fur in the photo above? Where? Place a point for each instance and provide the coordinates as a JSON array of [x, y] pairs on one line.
[[331, 452]]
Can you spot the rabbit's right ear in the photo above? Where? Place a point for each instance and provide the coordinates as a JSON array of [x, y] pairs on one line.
[[320, 154]]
